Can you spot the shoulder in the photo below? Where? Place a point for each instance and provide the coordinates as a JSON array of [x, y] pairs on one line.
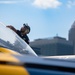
[[17, 31], [27, 37]]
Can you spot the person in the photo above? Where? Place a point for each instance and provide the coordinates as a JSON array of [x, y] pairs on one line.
[[22, 32]]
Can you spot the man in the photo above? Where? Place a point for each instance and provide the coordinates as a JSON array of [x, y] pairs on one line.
[[22, 32]]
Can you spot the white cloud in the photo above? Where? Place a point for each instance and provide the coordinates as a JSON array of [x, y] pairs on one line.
[[70, 4], [11, 1], [47, 3]]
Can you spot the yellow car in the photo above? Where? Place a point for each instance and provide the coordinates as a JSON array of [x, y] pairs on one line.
[[11, 44]]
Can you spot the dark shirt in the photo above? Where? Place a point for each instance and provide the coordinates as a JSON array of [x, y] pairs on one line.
[[24, 37]]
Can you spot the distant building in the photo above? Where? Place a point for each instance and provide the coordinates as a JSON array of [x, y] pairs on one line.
[[52, 47], [71, 35], [56, 45], [37, 50]]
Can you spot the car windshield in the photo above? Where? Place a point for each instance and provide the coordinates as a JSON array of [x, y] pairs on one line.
[[11, 40]]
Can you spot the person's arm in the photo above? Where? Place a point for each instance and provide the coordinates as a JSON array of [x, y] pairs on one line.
[[11, 27]]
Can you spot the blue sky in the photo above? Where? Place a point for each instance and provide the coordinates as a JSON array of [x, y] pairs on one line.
[[47, 18]]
